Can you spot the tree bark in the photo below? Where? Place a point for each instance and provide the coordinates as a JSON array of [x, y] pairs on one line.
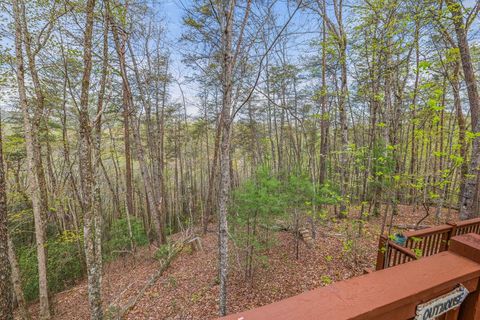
[[324, 114], [152, 203], [469, 205], [35, 192], [38, 111], [6, 306], [91, 212], [225, 123], [128, 156], [209, 206], [17, 282]]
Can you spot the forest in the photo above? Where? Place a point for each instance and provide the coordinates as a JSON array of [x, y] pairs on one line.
[[185, 159]]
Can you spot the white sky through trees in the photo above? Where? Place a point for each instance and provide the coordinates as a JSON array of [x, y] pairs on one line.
[[303, 29]]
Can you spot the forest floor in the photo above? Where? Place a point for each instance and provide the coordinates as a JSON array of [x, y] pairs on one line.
[[188, 289]]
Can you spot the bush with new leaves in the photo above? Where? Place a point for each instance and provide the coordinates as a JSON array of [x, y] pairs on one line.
[[257, 205], [64, 265], [119, 237]]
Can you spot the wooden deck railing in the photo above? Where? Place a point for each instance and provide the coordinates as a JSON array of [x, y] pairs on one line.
[[429, 241], [467, 226], [391, 254], [422, 243], [421, 289]]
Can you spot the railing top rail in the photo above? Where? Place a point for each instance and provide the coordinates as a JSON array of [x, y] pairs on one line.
[[393, 292], [467, 222], [436, 239], [404, 250], [429, 231]]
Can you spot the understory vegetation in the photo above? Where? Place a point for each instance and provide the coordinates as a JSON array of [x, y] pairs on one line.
[[66, 263]]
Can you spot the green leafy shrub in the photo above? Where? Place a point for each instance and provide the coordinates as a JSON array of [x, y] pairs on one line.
[[163, 252], [258, 204], [27, 259], [64, 265], [119, 239], [326, 280]]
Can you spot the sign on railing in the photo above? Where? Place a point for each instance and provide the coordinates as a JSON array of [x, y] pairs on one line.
[[435, 287], [441, 305]]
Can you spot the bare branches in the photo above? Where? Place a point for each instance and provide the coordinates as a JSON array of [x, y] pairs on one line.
[[263, 57]]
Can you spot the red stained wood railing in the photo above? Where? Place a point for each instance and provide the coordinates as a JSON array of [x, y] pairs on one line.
[[467, 226], [390, 294], [422, 243], [429, 241], [398, 254]]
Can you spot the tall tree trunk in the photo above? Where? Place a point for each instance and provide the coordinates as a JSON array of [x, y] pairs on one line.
[[128, 156], [225, 123], [128, 163], [38, 111], [17, 282], [209, 206], [323, 113], [91, 213], [413, 151], [343, 126], [152, 203], [33, 182], [127, 147], [462, 127], [469, 205], [338, 32], [161, 149], [6, 307]]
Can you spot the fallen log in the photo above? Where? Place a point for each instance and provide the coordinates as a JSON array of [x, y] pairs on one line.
[[117, 313], [195, 244]]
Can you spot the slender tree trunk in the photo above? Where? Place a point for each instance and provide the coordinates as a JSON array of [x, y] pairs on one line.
[[128, 156], [209, 207], [152, 203], [128, 162], [462, 128], [17, 282], [343, 129], [469, 205], [127, 141], [161, 149], [91, 212], [33, 182], [413, 152], [225, 123], [323, 113], [340, 36], [6, 306], [38, 111]]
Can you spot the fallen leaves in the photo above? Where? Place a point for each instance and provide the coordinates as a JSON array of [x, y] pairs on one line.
[[188, 289]]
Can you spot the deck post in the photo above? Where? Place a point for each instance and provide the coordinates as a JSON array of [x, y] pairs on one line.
[[468, 246], [447, 236], [382, 252]]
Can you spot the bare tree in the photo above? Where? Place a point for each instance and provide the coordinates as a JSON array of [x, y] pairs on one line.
[[6, 306], [92, 229], [33, 163], [469, 206]]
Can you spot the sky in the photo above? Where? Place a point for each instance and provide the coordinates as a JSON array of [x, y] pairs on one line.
[[303, 24], [173, 12]]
